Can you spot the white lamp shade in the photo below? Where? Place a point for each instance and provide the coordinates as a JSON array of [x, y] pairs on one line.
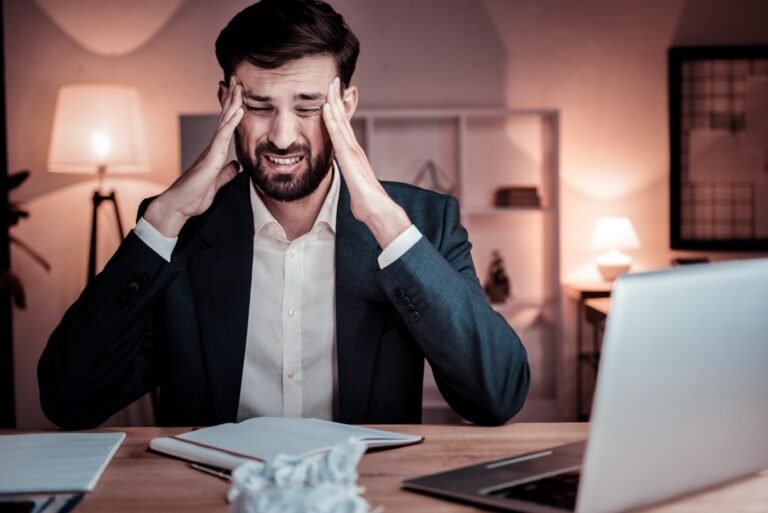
[[98, 125], [614, 233]]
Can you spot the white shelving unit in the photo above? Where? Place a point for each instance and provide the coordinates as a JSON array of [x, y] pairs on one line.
[[476, 151]]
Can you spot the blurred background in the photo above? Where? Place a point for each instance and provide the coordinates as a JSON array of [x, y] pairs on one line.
[[601, 64]]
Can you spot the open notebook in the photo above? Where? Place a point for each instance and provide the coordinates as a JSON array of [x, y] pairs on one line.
[[262, 438]]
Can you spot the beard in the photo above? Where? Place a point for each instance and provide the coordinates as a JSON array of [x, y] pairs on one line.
[[286, 187]]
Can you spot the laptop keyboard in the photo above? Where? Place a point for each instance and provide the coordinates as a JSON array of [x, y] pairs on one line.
[[558, 491]]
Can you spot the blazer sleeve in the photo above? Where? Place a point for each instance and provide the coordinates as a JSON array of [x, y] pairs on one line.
[[479, 362], [100, 357]]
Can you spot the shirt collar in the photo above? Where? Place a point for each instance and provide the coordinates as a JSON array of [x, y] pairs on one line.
[[263, 217]]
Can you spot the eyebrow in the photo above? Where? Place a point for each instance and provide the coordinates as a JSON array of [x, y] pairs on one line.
[[300, 96]]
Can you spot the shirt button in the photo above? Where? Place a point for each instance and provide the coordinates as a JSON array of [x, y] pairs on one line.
[[291, 374], [292, 253], [291, 312]]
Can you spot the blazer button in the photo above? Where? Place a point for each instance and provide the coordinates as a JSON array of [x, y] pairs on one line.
[[399, 293], [415, 316]]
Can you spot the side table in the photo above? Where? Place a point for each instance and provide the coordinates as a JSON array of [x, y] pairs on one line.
[[585, 357]]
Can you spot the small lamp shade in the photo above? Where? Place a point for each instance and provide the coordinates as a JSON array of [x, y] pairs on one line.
[[614, 235], [98, 128]]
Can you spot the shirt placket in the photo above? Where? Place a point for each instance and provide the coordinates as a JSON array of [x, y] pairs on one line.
[[292, 341]]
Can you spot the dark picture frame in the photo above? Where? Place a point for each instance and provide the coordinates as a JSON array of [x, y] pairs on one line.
[[718, 106]]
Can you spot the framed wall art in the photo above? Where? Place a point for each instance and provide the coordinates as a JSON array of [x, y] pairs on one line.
[[719, 148]]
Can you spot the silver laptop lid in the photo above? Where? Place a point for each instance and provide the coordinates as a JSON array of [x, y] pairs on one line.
[[682, 394]]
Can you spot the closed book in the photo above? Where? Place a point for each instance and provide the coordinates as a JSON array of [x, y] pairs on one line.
[[227, 446]]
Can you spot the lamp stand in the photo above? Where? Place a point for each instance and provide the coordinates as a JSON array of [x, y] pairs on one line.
[[612, 264], [97, 199]]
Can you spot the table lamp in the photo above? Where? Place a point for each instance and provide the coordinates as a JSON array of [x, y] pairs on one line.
[[98, 129], [614, 235]]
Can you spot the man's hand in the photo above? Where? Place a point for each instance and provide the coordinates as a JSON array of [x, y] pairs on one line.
[[370, 202], [193, 192]]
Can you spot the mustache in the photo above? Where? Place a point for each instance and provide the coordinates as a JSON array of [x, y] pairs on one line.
[[294, 148]]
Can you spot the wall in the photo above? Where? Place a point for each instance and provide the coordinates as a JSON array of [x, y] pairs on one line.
[[603, 63]]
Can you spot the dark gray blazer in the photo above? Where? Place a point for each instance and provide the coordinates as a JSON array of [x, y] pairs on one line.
[[182, 325]]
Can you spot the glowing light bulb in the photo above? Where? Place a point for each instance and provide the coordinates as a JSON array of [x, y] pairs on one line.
[[101, 144]]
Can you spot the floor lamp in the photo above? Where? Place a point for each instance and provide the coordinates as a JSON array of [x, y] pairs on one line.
[[98, 128]]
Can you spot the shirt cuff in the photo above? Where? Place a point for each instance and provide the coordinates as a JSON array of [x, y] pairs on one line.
[[158, 242], [399, 246]]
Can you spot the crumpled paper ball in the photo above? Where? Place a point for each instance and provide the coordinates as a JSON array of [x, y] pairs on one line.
[[292, 484]]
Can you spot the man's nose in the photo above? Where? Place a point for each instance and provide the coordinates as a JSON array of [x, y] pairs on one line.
[[284, 130]]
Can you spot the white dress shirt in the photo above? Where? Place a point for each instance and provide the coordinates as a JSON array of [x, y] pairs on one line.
[[289, 368]]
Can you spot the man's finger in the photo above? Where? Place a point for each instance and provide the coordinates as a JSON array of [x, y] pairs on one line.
[[226, 101], [233, 102], [334, 121], [225, 131], [227, 173], [233, 93], [340, 114]]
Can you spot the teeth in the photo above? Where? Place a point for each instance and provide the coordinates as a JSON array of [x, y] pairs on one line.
[[284, 162]]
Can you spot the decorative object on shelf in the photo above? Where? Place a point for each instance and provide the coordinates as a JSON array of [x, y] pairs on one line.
[[431, 177], [614, 235], [98, 128], [718, 111], [517, 196], [497, 286]]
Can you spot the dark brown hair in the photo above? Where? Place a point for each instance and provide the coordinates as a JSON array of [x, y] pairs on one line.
[[271, 33]]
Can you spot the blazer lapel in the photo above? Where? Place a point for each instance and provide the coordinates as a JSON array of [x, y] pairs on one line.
[[358, 320], [220, 277]]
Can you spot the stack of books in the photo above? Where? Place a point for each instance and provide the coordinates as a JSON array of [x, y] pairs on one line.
[[517, 196]]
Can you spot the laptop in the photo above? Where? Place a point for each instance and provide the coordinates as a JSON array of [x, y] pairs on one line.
[[681, 401]]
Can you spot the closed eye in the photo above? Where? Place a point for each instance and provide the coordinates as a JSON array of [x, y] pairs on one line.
[[252, 108], [309, 111]]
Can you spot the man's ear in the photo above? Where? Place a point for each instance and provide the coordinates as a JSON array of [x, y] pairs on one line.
[[222, 92], [349, 99]]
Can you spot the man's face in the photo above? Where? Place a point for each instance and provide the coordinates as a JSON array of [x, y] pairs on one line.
[[282, 141]]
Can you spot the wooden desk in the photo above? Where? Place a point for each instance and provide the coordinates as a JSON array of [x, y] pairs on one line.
[[137, 480]]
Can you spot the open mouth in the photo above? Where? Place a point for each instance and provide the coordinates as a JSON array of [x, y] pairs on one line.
[[284, 161]]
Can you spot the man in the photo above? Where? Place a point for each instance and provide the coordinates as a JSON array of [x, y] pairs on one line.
[[301, 286]]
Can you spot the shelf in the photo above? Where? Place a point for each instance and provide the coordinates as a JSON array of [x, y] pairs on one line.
[[470, 154], [523, 315], [492, 211], [453, 113], [516, 304]]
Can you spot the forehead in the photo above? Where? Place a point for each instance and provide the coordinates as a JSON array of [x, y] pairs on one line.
[[308, 75]]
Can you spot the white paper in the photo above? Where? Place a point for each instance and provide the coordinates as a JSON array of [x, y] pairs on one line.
[[55, 462]]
